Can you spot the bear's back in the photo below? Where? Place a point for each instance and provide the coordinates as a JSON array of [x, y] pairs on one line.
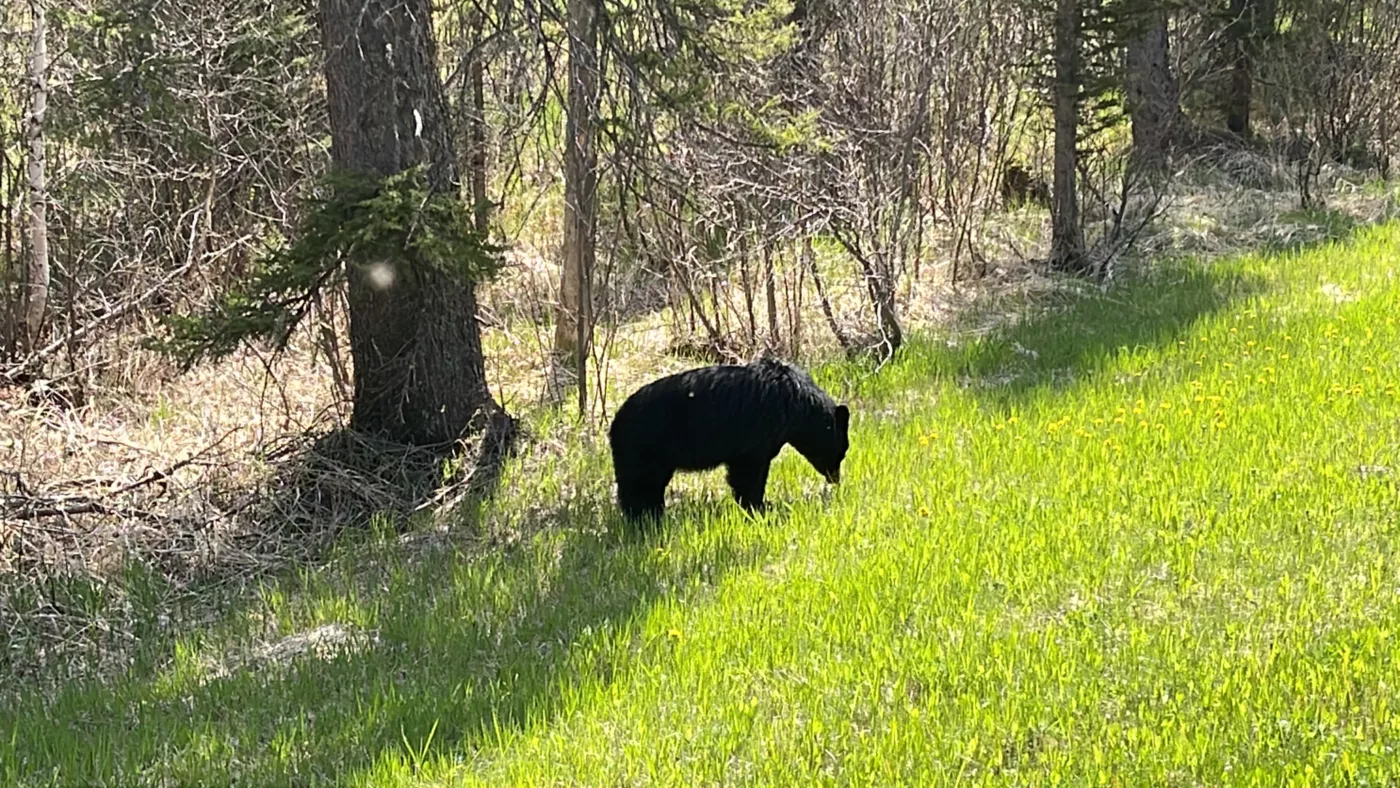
[[702, 417]]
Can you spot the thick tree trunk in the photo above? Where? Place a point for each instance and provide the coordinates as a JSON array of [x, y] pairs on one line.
[[1153, 99], [574, 326], [1066, 236], [36, 280], [416, 345]]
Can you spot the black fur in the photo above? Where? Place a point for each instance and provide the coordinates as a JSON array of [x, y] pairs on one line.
[[738, 416]]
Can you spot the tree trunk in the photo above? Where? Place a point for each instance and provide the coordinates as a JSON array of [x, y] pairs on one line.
[[823, 301], [1250, 21], [1066, 236], [414, 338], [748, 289], [1153, 99], [1241, 90], [573, 329], [879, 283], [770, 295], [36, 280], [481, 202]]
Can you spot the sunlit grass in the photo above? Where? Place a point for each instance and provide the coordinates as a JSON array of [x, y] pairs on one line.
[[1146, 540]]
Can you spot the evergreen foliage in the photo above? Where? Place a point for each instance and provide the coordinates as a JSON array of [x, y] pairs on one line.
[[363, 222]]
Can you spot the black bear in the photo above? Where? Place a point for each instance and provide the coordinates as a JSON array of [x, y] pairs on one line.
[[736, 415], [1020, 187]]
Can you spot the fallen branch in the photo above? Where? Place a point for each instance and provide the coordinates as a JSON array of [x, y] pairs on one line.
[[25, 505], [19, 510]]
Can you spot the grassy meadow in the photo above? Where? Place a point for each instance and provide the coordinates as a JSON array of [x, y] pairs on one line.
[[1147, 538]]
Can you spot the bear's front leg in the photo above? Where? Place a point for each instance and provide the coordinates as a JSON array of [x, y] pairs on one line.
[[748, 478]]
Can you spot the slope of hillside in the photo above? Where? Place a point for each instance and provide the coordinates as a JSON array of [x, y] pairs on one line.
[[1148, 539]]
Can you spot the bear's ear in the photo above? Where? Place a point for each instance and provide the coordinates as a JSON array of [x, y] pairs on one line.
[[843, 417]]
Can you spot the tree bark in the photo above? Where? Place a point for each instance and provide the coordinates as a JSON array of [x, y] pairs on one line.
[[481, 202], [1249, 22], [36, 280], [419, 372], [1153, 98], [1066, 236], [770, 295], [573, 328], [879, 283]]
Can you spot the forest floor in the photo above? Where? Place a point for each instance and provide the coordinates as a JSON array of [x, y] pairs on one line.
[[1143, 535]]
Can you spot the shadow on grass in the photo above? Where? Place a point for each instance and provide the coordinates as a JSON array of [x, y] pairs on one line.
[[450, 652], [1063, 345], [361, 643], [67, 619], [1302, 229], [1080, 331]]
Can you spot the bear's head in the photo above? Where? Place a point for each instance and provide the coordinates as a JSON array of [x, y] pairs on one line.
[[823, 441]]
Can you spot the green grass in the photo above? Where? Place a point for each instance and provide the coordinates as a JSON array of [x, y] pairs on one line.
[[1146, 539]]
